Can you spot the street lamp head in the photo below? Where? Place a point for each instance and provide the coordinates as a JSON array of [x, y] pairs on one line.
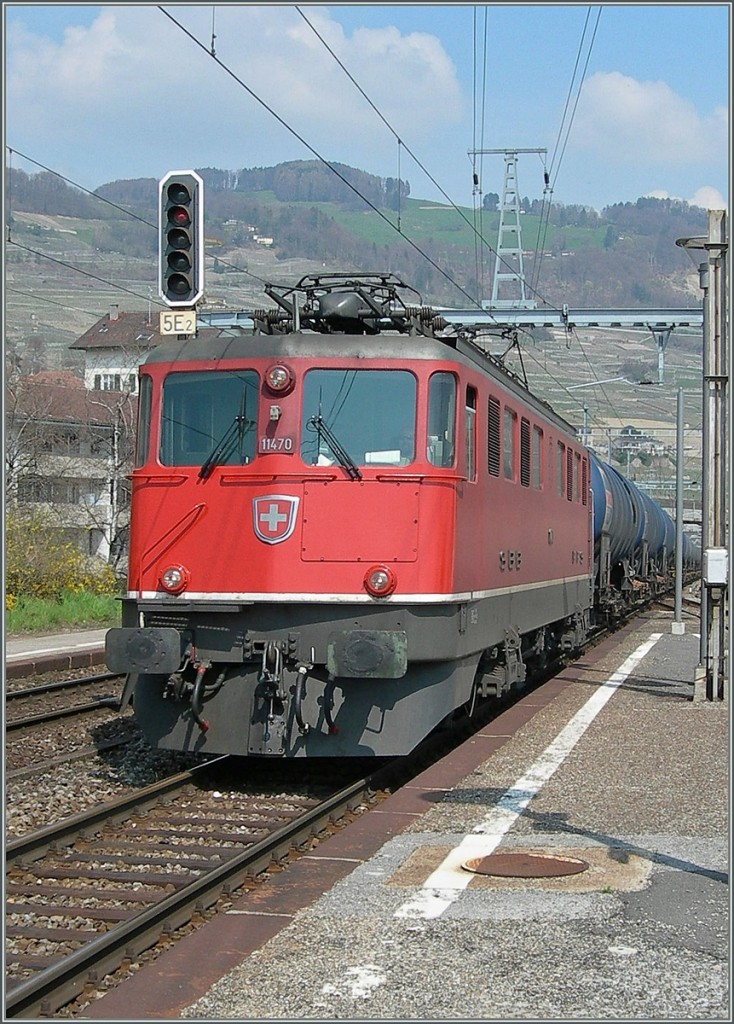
[[692, 242]]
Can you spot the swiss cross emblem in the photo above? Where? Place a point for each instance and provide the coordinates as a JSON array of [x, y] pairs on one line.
[[274, 517]]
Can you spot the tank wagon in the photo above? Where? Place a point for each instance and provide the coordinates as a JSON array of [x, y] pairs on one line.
[[350, 521]]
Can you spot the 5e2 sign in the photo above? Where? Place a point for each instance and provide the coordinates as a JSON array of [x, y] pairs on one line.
[[178, 321]]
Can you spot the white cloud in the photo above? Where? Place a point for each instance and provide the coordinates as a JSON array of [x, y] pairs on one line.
[[707, 197], [115, 86], [630, 122]]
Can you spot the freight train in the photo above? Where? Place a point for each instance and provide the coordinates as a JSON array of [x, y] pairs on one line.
[[349, 521]]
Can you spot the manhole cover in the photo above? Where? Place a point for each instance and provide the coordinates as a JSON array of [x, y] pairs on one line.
[[525, 865]]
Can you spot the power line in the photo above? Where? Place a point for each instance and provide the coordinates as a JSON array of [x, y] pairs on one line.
[[400, 141], [51, 302], [545, 209], [122, 209], [102, 199], [318, 156], [578, 93], [86, 273]]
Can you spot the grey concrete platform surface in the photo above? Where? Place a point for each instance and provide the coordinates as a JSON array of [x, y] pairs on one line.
[[59, 652], [622, 770], [18, 648]]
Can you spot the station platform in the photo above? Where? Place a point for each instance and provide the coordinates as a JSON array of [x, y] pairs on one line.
[[612, 766], [53, 652]]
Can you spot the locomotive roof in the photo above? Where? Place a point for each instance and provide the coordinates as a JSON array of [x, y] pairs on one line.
[[212, 346]]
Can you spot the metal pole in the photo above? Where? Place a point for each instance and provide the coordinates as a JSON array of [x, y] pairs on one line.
[[710, 682], [700, 673], [678, 626]]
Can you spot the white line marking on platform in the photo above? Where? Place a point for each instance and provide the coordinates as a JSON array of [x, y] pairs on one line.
[[443, 887]]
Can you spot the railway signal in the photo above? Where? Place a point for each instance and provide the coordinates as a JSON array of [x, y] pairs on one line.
[[181, 239]]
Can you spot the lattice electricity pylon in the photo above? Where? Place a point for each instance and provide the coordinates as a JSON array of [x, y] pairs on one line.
[[508, 264]]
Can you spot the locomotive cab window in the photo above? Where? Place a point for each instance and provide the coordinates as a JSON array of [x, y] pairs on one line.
[[360, 417], [441, 419], [470, 433], [537, 457], [560, 469], [143, 431], [209, 418], [509, 428]]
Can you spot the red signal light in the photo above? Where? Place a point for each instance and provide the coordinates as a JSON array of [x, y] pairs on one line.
[[178, 215]]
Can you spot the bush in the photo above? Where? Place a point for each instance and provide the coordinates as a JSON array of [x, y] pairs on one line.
[[39, 562]]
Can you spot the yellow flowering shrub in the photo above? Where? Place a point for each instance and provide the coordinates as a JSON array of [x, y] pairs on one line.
[[39, 562]]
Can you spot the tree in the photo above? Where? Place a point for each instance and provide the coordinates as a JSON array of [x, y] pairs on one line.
[[68, 452]]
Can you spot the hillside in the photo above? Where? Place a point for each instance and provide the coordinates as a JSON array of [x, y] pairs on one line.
[[70, 256], [624, 256]]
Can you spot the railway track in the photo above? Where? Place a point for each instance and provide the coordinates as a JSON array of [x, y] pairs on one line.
[[30, 704], [89, 892], [101, 887]]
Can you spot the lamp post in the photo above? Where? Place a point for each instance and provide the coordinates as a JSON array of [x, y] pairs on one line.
[[678, 626], [710, 677]]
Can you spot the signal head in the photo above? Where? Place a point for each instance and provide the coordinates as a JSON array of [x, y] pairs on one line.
[[181, 238]]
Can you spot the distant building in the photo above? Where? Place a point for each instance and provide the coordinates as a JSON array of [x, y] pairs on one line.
[[114, 347], [632, 440], [69, 441], [68, 450]]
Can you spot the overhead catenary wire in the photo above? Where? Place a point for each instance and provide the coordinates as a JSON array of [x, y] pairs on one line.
[[254, 276], [549, 171], [103, 199], [78, 270], [89, 192], [578, 96], [478, 207], [477, 232], [328, 164], [400, 141], [51, 302], [315, 152]]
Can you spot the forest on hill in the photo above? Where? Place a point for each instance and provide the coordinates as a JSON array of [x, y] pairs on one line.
[[622, 256]]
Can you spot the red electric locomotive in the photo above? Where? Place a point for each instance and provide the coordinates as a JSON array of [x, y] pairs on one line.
[[346, 523]]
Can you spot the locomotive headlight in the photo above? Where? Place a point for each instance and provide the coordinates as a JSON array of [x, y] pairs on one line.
[[380, 581], [279, 378], [174, 579]]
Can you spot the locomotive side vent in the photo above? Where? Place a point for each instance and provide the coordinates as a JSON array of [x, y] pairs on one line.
[[163, 619]]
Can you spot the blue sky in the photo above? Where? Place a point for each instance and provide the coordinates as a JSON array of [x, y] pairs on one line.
[[627, 99]]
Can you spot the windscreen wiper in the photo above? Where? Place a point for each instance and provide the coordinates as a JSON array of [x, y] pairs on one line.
[[343, 457], [231, 440]]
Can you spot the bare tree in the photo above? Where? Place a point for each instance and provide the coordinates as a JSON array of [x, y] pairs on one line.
[[69, 450]]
